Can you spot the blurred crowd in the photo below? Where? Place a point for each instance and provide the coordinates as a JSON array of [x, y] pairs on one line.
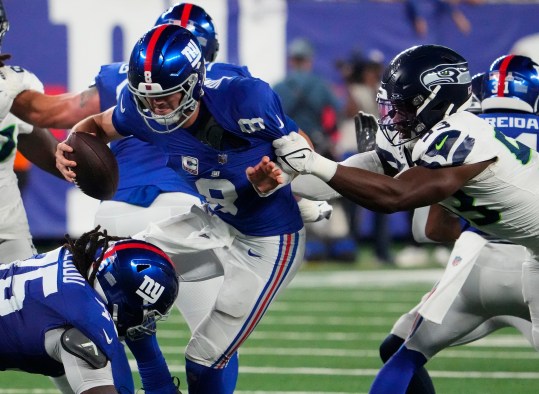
[[326, 113]]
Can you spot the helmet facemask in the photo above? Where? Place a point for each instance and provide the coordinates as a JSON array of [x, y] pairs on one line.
[[398, 121], [147, 326], [175, 119]]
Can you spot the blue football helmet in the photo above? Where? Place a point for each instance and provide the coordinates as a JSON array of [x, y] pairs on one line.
[[197, 21], [477, 87], [420, 87], [166, 60], [512, 83], [140, 285]]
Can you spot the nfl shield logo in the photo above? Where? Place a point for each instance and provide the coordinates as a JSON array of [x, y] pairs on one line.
[[222, 158], [456, 261]]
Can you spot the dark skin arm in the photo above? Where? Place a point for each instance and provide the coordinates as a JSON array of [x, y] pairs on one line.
[[101, 390], [39, 147], [442, 225], [61, 111], [416, 187]]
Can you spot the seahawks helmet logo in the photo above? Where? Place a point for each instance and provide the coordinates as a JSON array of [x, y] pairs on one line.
[[446, 74]]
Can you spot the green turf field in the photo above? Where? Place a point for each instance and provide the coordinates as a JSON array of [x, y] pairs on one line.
[[322, 337]]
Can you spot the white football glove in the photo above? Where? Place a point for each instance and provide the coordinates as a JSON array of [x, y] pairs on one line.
[[296, 156], [314, 211]]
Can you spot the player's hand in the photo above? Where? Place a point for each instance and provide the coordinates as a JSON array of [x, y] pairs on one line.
[[294, 153], [314, 211], [64, 165], [296, 156], [265, 176], [366, 128]]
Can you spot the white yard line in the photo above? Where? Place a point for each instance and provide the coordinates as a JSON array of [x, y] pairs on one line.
[[364, 278]]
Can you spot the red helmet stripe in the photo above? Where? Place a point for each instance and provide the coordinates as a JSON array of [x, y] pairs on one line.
[[503, 74], [151, 47], [139, 245], [186, 13]]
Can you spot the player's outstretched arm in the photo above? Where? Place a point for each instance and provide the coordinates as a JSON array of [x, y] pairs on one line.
[[61, 111], [39, 147], [416, 187]]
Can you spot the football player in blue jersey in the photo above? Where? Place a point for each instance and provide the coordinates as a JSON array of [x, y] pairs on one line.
[[66, 311], [148, 190], [211, 131], [443, 154]]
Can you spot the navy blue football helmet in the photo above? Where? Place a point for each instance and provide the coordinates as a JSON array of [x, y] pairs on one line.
[[512, 83], [166, 60], [140, 285], [420, 87], [197, 21], [477, 87]]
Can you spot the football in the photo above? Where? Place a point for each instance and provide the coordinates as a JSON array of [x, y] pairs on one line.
[[96, 169]]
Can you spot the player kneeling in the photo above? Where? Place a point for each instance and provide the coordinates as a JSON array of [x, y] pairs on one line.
[[65, 311]]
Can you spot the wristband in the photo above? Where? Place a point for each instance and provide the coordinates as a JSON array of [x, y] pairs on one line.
[[324, 168]]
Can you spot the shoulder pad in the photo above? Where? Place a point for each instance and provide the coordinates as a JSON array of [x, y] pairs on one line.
[[79, 345]]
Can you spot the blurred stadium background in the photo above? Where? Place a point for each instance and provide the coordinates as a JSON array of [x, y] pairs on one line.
[[323, 335], [65, 41]]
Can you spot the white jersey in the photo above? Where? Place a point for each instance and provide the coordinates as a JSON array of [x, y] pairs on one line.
[[392, 156], [13, 220], [504, 199]]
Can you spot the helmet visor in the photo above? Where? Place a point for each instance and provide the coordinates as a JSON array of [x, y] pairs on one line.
[[396, 121]]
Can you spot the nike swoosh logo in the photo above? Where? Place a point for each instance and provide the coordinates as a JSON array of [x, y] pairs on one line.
[[439, 146], [299, 157], [122, 108], [251, 253], [281, 124], [109, 340]]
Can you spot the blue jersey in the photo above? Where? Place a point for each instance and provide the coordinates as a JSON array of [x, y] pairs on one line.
[[142, 166], [251, 117], [45, 292], [144, 176], [520, 126], [219, 70]]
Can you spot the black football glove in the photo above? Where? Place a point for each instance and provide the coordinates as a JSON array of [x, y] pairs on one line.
[[366, 128]]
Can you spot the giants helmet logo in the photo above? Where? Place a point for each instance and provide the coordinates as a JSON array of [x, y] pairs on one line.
[[446, 74], [150, 290]]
